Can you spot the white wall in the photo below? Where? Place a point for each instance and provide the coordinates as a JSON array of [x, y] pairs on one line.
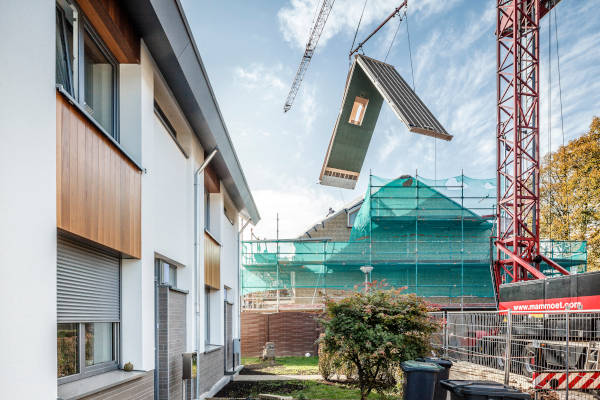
[[137, 276], [27, 200], [229, 264]]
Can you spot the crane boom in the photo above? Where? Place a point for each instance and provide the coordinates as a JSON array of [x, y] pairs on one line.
[[313, 39]]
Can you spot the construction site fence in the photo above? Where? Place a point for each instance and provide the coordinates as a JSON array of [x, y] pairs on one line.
[[551, 355]]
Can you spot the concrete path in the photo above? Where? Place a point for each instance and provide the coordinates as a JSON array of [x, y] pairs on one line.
[[256, 378]]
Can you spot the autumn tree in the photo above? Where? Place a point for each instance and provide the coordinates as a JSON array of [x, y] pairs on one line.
[[570, 193]]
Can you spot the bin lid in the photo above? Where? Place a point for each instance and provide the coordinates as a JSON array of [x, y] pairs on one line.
[[439, 361], [466, 388], [412, 365]]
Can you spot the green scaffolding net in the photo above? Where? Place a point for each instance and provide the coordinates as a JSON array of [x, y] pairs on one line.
[[430, 237]]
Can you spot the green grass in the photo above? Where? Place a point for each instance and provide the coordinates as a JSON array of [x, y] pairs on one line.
[[319, 390], [282, 366], [309, 389]]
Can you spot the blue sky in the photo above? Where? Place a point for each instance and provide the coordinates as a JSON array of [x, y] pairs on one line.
[[252, 49]]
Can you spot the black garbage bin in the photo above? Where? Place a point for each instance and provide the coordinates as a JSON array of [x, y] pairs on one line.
[[419, 379], [482, 390], [440, 392]]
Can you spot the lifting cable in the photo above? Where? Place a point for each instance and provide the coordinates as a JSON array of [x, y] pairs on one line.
[[393, 39], [358, 26], [412, 71], [562, 125], [550, 184]]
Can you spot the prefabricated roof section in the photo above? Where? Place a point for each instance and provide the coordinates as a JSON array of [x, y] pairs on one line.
[[167, 35], [350, 139], [369, 82], [403, 100]]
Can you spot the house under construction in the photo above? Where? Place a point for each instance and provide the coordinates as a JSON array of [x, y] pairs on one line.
[[431, 237]]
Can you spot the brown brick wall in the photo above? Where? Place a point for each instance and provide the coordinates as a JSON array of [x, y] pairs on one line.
[[335, 228], [293, 332]]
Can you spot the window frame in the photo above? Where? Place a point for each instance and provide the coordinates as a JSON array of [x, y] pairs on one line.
[[76, 72], [359, 106], [207, 324], [164, 280], [352, 213], [85, 371]]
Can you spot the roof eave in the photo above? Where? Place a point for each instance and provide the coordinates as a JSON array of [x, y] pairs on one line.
[[167, 35]]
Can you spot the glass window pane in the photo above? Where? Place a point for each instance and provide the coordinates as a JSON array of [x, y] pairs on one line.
[[207, 315], [98, 343], [64, 50], [67, 343], [173, 276], [99, 88]]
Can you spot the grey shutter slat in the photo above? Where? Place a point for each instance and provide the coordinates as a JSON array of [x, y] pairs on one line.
[[87, 284]]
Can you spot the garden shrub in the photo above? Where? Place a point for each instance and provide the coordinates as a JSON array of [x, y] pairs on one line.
[[373, 333]]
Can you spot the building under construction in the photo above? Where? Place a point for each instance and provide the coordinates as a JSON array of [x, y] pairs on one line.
[[430, 237]]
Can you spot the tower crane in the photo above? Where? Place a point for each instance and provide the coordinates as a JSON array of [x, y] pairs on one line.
[[518, 141], [311, 45]]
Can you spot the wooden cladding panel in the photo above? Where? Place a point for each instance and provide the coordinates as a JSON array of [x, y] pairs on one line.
[[98, 188], [211, 180], [212, 262], [112, 24]]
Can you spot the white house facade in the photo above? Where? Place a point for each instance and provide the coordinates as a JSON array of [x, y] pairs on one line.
[[121, 206]]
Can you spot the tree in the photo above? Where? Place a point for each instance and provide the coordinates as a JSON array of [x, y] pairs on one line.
[[374, 332], [570, 193]]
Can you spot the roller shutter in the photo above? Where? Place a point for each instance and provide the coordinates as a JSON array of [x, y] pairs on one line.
[[88, 284]]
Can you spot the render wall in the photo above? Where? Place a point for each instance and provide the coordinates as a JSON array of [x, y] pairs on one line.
[[28, 200]]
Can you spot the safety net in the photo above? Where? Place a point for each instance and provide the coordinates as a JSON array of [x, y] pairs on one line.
[[430, 237]]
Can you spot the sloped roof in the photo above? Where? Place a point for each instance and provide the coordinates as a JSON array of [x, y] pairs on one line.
[[403, 100], [374, 81]]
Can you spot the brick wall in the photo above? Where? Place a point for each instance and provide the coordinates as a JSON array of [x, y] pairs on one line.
[[177, 307], [334, 228], [211, 368], [293, 332], [171, 341]]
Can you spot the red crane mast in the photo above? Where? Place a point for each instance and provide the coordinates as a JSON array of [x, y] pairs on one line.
[[518, 254]]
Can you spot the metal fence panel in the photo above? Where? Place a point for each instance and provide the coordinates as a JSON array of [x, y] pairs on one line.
[[552, 355]]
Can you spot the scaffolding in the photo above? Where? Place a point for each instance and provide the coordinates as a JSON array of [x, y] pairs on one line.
[[430, 237]]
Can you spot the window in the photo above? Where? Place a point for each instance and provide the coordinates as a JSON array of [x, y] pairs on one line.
[[207, 316], [99, 86], [88, 310], [98, 343], [65, 17], [358, 110], [165, 120], [86, 349], [207, 211], [67, 342], [352, 217], [168, 273], [87, 73]]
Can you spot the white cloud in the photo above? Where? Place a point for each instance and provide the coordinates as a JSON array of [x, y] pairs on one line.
[[308, 105], [259, 76], [392, 141], [296, 19], [298, 206]]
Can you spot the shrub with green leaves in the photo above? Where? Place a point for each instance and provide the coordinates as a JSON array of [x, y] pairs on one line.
[[375, 332]]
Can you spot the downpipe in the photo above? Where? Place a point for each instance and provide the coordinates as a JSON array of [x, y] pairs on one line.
[[204, 164]]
